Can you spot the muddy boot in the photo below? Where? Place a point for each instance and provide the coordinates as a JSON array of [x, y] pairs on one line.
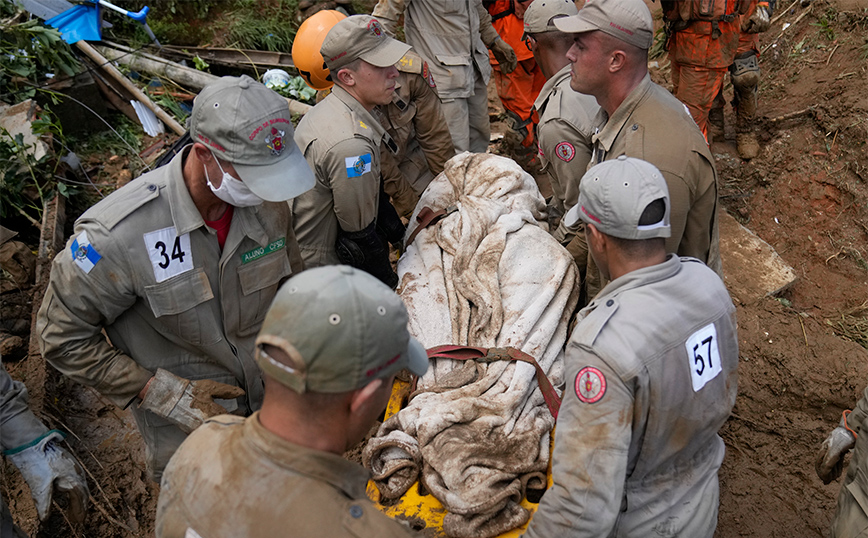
[[745, 78], [716, 131]]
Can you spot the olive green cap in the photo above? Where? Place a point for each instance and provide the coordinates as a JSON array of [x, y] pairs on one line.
[[360, 36], [341, 329]]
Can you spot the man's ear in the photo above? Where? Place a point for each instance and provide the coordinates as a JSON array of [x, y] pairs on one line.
[[202, 152], [346, 77], [363, 396], [596, 236], [617, 60]]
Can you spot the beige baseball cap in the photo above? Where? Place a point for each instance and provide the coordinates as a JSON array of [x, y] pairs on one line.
[[360, 36], [540, 15], [614, 194], [628, 20], [341, 329], [249, 125]]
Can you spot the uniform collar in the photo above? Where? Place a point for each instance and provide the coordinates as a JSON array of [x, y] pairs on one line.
[[550, 86], [638, 278], [365, 123], [185, 214], [349, 477], [606, 137]]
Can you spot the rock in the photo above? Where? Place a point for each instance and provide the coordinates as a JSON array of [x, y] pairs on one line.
[[751, 267]]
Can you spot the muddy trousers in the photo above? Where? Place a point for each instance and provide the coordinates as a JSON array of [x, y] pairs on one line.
[[517, 91], [697, 87], [467, 118]]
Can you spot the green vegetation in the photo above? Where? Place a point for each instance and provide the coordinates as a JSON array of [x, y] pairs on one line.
[[26, 182], [825, 24], [29, 51], [263, 25]]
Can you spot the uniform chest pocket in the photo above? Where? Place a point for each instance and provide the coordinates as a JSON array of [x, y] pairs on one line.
[[259, 281], [174, 303]]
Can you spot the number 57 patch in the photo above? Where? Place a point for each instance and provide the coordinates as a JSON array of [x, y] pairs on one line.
[[703, 356], [169, 253]]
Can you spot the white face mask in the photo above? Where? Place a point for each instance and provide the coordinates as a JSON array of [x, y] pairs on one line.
[[232, 191]]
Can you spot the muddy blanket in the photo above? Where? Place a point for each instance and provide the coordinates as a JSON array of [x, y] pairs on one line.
[[487, 275]]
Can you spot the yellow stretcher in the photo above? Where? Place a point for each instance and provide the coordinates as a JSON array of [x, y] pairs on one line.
[[425, 511]]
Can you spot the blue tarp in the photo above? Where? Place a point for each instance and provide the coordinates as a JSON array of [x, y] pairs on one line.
[[80, 22]]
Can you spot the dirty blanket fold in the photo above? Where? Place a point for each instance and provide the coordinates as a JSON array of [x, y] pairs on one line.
[[487, 275]]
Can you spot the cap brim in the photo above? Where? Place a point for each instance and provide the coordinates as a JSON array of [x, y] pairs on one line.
[[417, 357], [573, 216], [280, 181], [386, 54], [575, 24]]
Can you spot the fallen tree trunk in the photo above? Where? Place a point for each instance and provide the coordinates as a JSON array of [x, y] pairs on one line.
[[185, 76]]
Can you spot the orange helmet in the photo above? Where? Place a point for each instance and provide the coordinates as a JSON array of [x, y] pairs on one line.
[[306, 45]]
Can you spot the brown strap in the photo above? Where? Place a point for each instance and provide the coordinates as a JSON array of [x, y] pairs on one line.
[[426, 217], [463, 353]]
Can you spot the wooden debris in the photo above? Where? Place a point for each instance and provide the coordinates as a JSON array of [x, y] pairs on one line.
[[125, 82], [178, 73], [233, 57], [751, 267]]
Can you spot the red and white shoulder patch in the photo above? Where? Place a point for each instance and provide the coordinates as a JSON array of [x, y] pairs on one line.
[[565, 151], [426, 74], [590, 385]]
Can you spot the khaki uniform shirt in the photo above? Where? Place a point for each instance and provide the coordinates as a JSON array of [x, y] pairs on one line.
[[654, 126], [341, 142], [18, 425], [566, 126], [232, 478], [415, 121], [165, 294], [451, 35], [651, 372]]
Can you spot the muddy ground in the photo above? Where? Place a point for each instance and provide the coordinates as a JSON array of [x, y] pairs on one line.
[[806, 194]]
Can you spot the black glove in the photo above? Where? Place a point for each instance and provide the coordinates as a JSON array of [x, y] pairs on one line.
[[389, 224], [365, 250]]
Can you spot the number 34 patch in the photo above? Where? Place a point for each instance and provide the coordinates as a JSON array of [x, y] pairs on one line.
[[703, 356], [169, 253]]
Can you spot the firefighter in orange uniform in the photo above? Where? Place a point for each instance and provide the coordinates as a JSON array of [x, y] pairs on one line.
[[518, 89], [703, 39], [745, 74]]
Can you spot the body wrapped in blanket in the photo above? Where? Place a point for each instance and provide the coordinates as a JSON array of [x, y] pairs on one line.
[[487, 275]]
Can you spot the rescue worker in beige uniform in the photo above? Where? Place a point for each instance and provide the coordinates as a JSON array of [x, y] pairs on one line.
[[48, 468], [178, 268], [651, 372], [414, 119], [329, 350], [336, 221], [566, 120], [641, 119], [851, 516], [452, 36]]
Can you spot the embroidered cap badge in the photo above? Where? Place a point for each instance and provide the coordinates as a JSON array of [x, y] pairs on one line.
[[274, 141]]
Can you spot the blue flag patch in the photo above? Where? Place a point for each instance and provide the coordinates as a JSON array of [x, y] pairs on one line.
[[357, 166], [83, 253]]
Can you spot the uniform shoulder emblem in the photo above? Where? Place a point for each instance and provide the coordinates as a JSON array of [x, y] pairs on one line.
[[83, 253], [590, 385], [426, 74], [565, 151], [358, 165]]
